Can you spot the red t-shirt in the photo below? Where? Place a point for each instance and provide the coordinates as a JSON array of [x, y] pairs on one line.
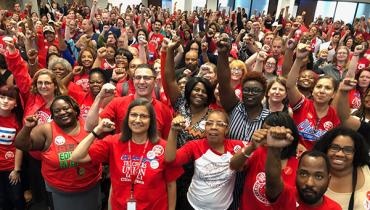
[[43, 47], [8, 130], [83, 81], [157, 37], [105, 65], [254, 196], [62, 173], [279, 66], [116, 111], [354, 99], [44, 116], [84, 99], [310, 127], [288, 200], [152, 175]]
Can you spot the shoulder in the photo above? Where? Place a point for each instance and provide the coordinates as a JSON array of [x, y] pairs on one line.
[[330, 204]]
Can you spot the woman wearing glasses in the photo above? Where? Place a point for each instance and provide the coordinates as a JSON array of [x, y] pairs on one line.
[[349, 167], [267, 65], [238, 70], [193, 106], [136, 158], [38, 94], [213, 181], [313, 117]]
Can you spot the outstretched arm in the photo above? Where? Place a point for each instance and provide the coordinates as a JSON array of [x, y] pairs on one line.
[[293, 93], [173, 91], [228, 98], [178, 124], [92, 118], [341, 104], [81, 152], [277, 138], [31, 137]]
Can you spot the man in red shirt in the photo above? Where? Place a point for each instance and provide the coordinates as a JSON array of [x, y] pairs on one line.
[[156, 35], [312, 178], [144, 81]]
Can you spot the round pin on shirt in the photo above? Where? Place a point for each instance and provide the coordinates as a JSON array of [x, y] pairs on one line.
[[150, 155], [154, 164]]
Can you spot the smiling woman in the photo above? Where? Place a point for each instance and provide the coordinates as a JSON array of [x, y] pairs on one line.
[[138, 172], [213, 181], [79, 188], [349, 162]]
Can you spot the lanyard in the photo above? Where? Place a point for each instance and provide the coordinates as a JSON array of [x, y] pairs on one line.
[[132, 175]]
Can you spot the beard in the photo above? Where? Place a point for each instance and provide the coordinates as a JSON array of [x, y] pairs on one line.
[[191, 67], [310, 200]]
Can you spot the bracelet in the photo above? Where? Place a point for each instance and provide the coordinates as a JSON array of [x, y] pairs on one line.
[[95, 135]]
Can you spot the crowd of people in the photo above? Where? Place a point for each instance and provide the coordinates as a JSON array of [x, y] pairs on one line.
[[143, 108]]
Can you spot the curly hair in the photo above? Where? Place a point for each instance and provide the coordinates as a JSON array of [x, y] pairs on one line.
[[255, 76]]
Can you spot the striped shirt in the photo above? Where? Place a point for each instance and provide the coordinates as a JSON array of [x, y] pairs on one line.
[[241, 127]]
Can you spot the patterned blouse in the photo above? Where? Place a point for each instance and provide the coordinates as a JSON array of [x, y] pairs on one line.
[[191, 132]]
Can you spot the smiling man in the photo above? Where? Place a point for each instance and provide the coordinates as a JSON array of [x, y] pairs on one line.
[[312, 178], [144, 81]]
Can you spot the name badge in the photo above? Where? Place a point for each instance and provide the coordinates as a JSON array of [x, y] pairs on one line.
[[131, 205]]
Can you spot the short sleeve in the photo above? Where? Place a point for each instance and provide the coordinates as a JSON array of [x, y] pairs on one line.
[[109, 111], [185, 153], [167, 117], [299, 105], [76, 92], [100, 150], [172, 172]]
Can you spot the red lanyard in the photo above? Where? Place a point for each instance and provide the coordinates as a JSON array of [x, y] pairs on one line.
[[132, 175]]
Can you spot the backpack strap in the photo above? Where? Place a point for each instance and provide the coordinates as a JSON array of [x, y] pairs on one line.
[[124, 88]]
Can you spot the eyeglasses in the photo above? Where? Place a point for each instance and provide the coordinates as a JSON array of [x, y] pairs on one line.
[[121, 58], [236, 70], [144, 77], [46, 83], [348, 150], [254, 90], [217, 123], [136, 115], [270, 64]]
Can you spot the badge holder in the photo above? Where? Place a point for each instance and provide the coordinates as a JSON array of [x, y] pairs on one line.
[[131, 202]]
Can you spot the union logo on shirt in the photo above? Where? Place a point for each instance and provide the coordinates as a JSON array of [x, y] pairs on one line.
[[9, 155], [43, 117], [259, 188]]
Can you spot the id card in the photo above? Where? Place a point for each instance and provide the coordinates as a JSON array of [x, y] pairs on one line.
[[131, 205]]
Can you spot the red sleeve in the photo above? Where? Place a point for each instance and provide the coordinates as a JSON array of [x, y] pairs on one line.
[[76, 92], [172, 172], [100, 150], [299, 105], [286, 200], [19, 69], [163, 65], [167, 118], [110, 110], [186, 153]]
